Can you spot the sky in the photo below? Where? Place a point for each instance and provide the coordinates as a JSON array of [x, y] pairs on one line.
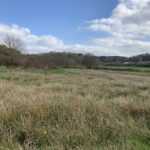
[[99, 27]]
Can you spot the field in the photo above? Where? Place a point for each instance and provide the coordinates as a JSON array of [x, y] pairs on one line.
[[79, 109], [126, 68]]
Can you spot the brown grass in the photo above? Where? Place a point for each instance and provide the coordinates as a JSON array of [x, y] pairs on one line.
[[84, 110]]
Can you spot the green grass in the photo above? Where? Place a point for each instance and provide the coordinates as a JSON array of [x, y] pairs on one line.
[[7, 70], [59, 71], [16, 74], [126, 68], [64, 71], [140, 144], [55, 71]]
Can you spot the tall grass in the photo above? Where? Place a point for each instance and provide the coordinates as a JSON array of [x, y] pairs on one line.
[[84, 110]]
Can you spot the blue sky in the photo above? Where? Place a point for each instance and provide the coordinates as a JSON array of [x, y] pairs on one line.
[[60, 18], [101, 27]]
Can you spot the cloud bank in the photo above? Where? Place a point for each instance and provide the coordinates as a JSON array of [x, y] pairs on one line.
[[128, 30], [46, 43], [128, 27], [33, 43]]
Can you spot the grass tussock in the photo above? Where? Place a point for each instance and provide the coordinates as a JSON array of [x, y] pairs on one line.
[[82, 109]]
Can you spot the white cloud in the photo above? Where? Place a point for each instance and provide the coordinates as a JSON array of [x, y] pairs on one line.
[[33, 43], [47, 43], [128, 26]]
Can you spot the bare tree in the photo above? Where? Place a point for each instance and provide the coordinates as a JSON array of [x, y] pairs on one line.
[[14, 42]]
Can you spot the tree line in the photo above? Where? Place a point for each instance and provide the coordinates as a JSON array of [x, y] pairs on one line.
[[11, 54]]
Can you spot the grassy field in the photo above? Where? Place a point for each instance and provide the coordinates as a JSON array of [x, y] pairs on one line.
[[68, 109], [126, 68]]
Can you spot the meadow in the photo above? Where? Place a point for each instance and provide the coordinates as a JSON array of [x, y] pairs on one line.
[[126, 68], [74, 109]]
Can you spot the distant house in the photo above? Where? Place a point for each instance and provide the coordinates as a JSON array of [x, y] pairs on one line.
[[126, 63]]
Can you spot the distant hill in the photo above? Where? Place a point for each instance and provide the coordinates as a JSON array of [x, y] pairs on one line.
[[140, 58], [114, 59]]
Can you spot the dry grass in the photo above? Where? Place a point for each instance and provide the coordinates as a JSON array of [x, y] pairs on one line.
[[82, 110]]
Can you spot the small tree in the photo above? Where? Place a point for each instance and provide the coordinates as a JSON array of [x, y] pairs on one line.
[[13, 42]]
